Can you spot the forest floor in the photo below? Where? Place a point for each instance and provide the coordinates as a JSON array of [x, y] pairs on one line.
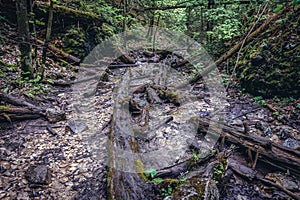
[[44, 157]]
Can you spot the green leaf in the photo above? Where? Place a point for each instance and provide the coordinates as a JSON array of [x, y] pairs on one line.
[[295, 2], [157, 180], [5, 90], [278, 8], [50, 81], [152, 172]]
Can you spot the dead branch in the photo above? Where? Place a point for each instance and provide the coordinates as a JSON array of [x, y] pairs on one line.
[[60, 52]]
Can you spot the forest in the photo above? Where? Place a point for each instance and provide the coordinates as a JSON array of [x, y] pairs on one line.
[[157, 99]]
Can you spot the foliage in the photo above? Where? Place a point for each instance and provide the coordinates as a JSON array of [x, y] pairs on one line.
[[195, 156], [226, 22], [151, 172], [167, 191], [259, 100], [270, 61], [151, 175]]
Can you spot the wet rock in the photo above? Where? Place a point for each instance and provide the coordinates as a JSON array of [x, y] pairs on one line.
[[291, 143], [38, 175], [2, 195], [268, 132], [285, 132]]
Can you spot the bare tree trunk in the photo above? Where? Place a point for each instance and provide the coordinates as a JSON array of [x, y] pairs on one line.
[[24, 34], [48, 34]]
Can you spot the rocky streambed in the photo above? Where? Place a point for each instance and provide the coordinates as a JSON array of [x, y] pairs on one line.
[[132, 131]]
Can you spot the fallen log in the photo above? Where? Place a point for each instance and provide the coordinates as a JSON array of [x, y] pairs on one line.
[[251, 175], [27, 110], [85, 17], [17, 117], [19, 102], [284, 157], [60, 52], [126, 179]]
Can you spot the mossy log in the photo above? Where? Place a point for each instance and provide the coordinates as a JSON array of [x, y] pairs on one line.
[[77, 15], [82, 16], [26, 110], [19, 102], [124, 182], [60, 52]]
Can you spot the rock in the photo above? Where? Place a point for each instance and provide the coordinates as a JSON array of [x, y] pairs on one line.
[[38, 175], [284, 132], [264, 127], [23, 196], [274, 138], [2, 195], [268, 132], [291, 143], [55, 115], [77, 126], [4, 166]]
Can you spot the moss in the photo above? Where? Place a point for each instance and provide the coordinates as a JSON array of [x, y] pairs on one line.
[[139, 169], [4, 107]]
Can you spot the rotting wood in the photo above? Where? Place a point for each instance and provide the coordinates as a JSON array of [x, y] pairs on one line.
[[250, 174], [60, 52], [122, 183], [124, 57], [82, 16], [283, 156], [18, 102], [17, 117]]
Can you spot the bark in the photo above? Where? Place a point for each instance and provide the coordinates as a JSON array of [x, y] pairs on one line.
[[19, 102], [84, 17], [60, 52], [24, 34], [48, 34], [123, 184]]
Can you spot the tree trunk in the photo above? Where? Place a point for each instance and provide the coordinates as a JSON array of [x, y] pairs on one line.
[[48, 34], [24, 34]]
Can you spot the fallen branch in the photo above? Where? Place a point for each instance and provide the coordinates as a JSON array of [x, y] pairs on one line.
[[250, 174], [19, 102], [60, 52], [282, 156]]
